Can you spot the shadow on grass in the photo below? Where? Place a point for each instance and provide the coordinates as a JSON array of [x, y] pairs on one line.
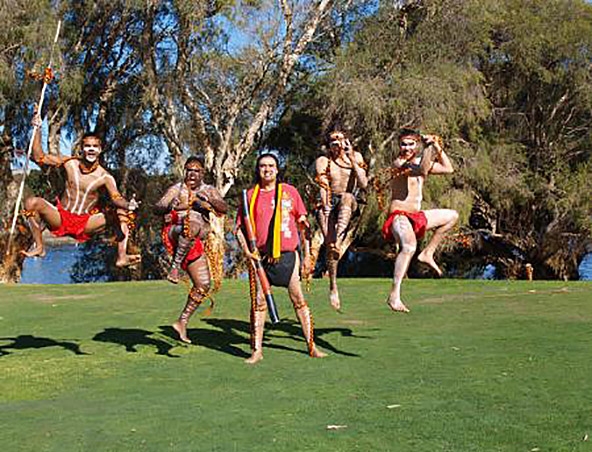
[[289, 327], [130, 338], [26, 341], [225, 341], [230, 337]]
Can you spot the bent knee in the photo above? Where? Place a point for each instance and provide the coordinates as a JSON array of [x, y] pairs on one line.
[[33, 203], [453, 216], [347, 199], [408, 248], [204, 286], [299, 303]]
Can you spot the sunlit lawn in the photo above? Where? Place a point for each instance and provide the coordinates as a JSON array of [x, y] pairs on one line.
[[476, 366]]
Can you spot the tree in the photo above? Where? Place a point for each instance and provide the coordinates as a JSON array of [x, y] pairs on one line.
[[26, 38], [510, 96], [127, 67]]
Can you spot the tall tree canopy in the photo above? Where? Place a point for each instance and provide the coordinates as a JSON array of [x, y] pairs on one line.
[[510, 94]]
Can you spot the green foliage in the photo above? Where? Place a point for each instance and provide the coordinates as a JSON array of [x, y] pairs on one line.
[[506, 83], [508, 86]]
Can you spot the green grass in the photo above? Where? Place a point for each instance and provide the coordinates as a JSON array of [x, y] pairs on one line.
[[476, 366]]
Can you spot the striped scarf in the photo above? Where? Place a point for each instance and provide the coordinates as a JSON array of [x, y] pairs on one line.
[[274, 240]]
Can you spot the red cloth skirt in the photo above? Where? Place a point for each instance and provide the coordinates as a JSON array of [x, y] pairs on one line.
[[170, 244], [72, 224], [418, 221]]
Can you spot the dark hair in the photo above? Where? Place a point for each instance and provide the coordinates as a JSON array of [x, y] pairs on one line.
[[277, 163], [407, 131], [196, 158], [335, 127], [91, 135]]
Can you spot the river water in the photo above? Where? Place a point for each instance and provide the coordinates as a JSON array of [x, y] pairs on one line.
[[585, 268], [55, 267]]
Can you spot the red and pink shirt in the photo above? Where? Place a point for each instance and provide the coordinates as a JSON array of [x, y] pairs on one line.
[[292, 209]]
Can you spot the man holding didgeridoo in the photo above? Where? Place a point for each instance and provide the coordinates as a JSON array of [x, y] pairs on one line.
[[277, 213]]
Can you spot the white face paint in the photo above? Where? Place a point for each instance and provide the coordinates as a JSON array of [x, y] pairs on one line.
[[91, 149], [407, 145]]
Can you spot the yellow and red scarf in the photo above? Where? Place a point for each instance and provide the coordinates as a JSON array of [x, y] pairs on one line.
[[276, 236]]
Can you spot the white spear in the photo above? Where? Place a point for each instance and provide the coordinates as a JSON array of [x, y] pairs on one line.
[[35, 127]]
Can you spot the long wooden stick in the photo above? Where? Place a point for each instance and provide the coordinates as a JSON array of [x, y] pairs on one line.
[[259, 270], [35, 127]]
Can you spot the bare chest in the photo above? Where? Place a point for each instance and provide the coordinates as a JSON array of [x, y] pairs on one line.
[[340, 174], [84, 183], [405, 187]]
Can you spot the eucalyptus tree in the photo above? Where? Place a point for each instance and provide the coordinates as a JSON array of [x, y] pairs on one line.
[[511, 97], [214, 83], [27, 32]]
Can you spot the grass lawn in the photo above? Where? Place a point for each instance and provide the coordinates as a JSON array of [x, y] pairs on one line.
[[476, 366]]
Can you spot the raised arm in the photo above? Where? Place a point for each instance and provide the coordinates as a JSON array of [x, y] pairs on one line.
[[439, 161], [442, 164], [39, 156], [358, 164]]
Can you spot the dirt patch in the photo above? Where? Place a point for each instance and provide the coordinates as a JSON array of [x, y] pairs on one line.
[[468, 296], [54, 298], [354, 322]]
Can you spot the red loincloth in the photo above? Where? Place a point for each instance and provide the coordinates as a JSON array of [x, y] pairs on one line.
[[170, 244], [418, 221], [72, 224]]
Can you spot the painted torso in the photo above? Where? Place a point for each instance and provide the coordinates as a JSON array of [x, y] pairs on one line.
[[81, 193], [406, 193]]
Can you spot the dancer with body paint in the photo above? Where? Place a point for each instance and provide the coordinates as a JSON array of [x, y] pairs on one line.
[[419, 156], [186, 207], [340, 175], [76, 213]]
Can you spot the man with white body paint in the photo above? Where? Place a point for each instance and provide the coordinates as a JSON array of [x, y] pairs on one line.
[[76, 213], [407, 223]]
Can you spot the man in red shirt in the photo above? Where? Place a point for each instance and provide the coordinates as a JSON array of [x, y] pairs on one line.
[[277, 214]]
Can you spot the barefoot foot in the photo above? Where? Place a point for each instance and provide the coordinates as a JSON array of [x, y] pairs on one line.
[[181, 330], [428, 259], [34, 252], [173, 275], [316, 353], [255, 358], [335, 301], [397, 305], [128, 260]]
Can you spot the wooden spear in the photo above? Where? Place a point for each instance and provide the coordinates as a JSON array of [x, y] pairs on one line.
[[46, 81]]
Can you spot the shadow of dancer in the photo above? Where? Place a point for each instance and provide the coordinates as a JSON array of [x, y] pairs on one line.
[[26, 341], [291, 327], [224, 341], [130, 338]]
